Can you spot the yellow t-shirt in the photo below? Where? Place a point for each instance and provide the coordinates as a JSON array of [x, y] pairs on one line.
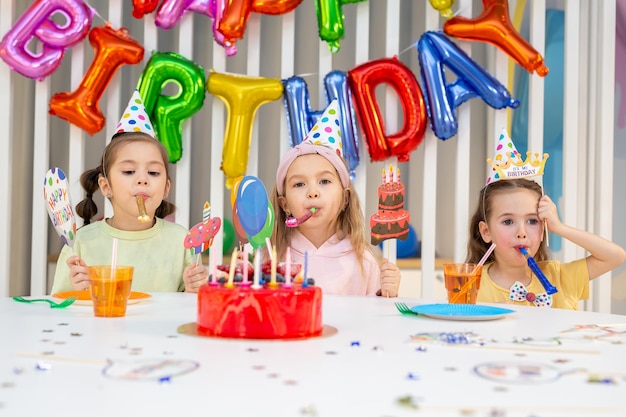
[[571, 280]]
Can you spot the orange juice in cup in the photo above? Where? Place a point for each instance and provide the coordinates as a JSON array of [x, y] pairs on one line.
[[462, 282], [110, 289]]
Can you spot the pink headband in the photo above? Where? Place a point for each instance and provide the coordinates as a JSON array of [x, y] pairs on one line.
[[306, 148]]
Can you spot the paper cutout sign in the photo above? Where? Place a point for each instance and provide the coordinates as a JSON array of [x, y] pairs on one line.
[[57, 196]]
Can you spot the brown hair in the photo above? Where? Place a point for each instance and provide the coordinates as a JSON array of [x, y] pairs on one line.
[[476, 246], [350, 221], [87, 208]]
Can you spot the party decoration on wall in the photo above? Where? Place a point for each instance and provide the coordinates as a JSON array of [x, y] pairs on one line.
[[217, 11], [253, 210], [112, 49], [56, 193], [391, 221], [141, 7], [330, 21], [444, 7], [243, 96], [363, 81], [301, 118], [237, 12], [53, 38], [494, 26], [436, 50], [169, 112], [171, 11]]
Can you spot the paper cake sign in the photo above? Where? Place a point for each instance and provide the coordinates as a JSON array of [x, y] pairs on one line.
[[57, 196]]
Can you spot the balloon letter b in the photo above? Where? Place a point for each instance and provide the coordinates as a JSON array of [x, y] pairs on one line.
[[113, 48], [363, 80], [35, 23], [242, 96]]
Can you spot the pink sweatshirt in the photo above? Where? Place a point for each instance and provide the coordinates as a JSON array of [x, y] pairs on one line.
[[334, 266]]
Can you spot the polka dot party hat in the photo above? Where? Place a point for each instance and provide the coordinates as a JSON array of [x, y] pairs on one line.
[[508, 163], [135, 118], [326, 131]]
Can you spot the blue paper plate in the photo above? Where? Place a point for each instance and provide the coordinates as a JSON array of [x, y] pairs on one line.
[[461, 311]]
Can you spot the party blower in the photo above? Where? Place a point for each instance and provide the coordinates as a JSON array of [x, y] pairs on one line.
[[550, 289], [294, 222]]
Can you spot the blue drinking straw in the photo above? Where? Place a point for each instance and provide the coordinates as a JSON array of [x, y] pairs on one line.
[[550, 289]]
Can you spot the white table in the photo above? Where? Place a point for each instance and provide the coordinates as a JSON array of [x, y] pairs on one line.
[[54, 361]]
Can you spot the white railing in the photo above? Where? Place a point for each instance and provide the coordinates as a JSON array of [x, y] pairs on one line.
[[442, 178]]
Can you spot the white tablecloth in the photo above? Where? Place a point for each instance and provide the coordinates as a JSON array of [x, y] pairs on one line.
[[379, 363]]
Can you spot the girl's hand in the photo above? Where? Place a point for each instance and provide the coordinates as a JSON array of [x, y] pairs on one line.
[[195, 276], [547, 212], [79, 276], [389, 279]]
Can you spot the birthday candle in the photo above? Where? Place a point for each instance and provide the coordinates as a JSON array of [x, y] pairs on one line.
[[384, 177], [231, 271], [288, 267], [257, 270], [273, 263], [245, 263], [306, 266], [398, 175], [213, 268]]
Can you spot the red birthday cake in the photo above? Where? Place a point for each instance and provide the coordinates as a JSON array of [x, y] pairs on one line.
[[269, 311], [391, 221]]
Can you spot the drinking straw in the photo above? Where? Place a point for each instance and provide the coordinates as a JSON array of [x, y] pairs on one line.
[[473, 275], [113, 266]]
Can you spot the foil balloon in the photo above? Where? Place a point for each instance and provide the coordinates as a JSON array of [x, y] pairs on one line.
[[436, 50], [229, 236], [252, 202], [444, 7], [301, 118], [58, 203], [54, 39], [233, 23], [142, 7], [171, 11], [330, 21], [260, 239], [363, 81], [168, 113], [243, 96], [217, 11], [112, 49], [494, 26]]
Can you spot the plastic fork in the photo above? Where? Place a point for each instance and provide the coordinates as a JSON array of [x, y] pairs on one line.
[[65, 303], [405, 309]]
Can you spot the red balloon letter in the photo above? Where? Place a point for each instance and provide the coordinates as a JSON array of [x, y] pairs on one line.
[[363, 81]]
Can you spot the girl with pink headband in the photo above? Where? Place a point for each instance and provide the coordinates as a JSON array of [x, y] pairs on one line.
[[319, 217]]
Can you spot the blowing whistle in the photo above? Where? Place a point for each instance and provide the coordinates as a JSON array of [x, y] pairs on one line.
[[143, 215], [550, 289], [294, 222]]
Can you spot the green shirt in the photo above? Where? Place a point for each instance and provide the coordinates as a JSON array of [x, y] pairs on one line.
[[158, 255]]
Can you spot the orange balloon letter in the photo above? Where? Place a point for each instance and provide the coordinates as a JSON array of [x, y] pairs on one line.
[[494, 26], [113, 48]]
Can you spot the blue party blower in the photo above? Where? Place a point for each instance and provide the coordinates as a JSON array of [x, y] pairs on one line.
[[550, 289]]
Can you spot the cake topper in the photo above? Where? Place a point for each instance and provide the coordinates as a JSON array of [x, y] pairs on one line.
[[135, 118], [200, 236], [391, 221], [509, 164]]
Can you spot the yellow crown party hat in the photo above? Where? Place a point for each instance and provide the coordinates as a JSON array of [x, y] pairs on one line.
[[508, 163]]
